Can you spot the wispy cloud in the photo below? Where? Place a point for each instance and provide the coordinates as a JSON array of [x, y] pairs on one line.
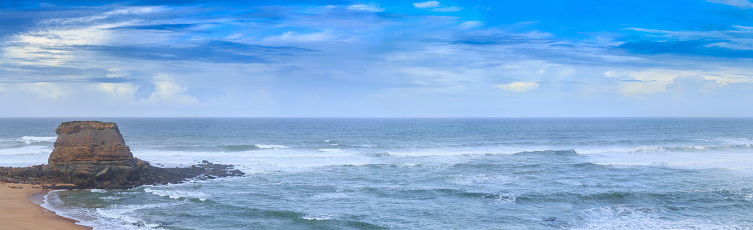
[[736, 3], [447, 9], [471, 24], [427, 4], [291, 36], [735, 42], [519, 86], [436, 6], [372, 7]]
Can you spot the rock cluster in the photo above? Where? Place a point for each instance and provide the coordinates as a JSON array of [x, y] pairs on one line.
[[92, 154]]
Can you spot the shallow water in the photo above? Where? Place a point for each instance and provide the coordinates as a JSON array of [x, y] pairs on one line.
[[421, 173]]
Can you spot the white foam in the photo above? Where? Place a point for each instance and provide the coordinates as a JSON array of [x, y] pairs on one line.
[[462, 151], [631, 217], [98, 190], [316, 217], [261, 146], [482, 179], [642, 149], [32, 139], [330, 150], [173, 193], [110, 198], [662, 149], [25, 156], [736, 141], [506, 198], [327, 196], [123, 215], [26, 150], [693, 158]]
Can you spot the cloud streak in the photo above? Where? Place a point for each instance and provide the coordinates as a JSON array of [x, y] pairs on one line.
[[735, 3], [519, 87]]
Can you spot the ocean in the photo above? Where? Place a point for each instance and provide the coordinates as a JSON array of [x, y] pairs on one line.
[[419, 173]]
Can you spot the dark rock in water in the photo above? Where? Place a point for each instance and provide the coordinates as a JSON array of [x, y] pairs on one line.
[[92, 154]]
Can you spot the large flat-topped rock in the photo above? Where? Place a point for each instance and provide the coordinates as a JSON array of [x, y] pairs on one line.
[[93, 154], [87, 147]]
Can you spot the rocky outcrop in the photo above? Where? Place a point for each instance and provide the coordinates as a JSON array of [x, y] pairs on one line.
[[88, 147], [92, 154]]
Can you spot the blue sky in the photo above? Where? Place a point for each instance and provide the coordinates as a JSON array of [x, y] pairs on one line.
[[538, 58]]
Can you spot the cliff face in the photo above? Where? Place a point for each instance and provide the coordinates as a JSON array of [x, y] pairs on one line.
[[87, 147]]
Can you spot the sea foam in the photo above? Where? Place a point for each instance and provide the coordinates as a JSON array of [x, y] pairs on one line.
[[178, 194], [33, 139]]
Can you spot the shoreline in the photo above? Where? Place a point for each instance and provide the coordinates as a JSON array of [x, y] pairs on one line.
[[21, 209]]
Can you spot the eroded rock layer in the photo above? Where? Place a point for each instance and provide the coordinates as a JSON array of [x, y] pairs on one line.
[[88, 147]]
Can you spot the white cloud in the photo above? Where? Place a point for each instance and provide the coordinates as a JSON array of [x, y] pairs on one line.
[[166, 89], [46, 90], [735, 3], [738, 38], [234, 36], [436, 6], [108, 14], [447, 9], [427, 4], [538, 34], [119, 90], [471, 24], [373, 7], [117, 73], [50, 42], [291, 36], [48, 47], [741, 44], [519, 86]]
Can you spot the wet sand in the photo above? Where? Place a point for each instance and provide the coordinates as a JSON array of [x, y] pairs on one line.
[[18, 211]]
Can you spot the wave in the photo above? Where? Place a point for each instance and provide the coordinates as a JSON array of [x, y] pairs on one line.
[[623, 216], [261, 146], [27, 150], [113, 217], [662, 149], [316, 217], [33, 139], [570, 152], [222, 148], [26, 141], [178, 194], [330, 150], [239, 148]]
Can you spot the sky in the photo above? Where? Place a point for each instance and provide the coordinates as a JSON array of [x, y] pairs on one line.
[[340, 58]]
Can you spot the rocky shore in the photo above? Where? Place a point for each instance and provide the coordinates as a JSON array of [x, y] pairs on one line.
[[93, 154]]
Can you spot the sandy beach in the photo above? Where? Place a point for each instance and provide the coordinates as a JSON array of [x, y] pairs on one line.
[[19, 212]]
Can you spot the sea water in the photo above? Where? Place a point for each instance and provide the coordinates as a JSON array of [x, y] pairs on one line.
[[429, 173]]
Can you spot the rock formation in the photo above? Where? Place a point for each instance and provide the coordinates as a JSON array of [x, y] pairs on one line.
[[93, 154], [89, 147]]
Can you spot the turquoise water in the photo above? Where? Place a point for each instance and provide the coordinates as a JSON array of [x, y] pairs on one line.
[[420, 173]]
